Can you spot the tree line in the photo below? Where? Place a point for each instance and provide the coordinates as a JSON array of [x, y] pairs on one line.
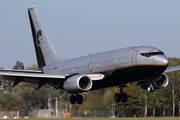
[[161, 102]]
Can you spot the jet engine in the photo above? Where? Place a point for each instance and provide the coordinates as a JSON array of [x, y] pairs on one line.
[[161, 82], [77, 84]]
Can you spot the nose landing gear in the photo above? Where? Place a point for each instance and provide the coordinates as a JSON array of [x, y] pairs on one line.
[[77, 98], [122, 96], [151, 88]]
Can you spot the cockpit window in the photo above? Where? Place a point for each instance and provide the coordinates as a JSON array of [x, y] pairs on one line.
[[151, 54]]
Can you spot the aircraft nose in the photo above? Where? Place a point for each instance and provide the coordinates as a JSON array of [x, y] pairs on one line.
[[163, 60]]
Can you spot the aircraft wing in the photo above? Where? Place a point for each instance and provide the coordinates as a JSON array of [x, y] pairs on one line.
[[28, 73], [29, 76], [38, 77], [171, 69]]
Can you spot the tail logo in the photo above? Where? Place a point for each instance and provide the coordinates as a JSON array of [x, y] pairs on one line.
[[39, 37]]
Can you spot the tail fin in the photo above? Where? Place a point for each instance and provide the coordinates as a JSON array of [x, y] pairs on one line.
[[45, 53]]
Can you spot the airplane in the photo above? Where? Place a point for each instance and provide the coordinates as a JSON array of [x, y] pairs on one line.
[[142, 64]]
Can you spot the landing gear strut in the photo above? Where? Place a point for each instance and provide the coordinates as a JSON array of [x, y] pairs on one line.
[[77, 98], [122, 96]]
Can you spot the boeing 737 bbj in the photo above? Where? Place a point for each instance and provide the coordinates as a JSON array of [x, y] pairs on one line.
[[143, 64]]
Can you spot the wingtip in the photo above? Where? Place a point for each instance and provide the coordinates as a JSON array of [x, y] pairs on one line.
[[31, 7]]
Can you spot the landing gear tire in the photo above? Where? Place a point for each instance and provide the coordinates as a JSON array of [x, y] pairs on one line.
[[117, 97], [72, 99], [150, 89], [124, 97], [79, 99]]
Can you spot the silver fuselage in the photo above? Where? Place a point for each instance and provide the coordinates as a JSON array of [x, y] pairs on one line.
[[120, 66]]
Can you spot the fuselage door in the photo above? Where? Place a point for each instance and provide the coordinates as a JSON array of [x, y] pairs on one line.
[[134, 58], [90, 67]]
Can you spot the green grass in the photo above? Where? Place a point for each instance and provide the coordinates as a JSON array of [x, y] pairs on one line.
[[138, 118]]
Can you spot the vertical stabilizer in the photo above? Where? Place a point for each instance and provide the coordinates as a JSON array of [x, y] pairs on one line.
[[45, 53]]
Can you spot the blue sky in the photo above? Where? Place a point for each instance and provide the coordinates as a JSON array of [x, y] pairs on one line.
[[82, 27]]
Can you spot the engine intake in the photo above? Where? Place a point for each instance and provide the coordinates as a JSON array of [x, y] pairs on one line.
[[77, 84], [159, 83]]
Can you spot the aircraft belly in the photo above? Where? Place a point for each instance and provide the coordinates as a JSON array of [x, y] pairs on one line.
[[125, 75]]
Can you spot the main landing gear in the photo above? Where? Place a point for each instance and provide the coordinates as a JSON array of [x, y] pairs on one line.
[[77, 98], [122, 96]]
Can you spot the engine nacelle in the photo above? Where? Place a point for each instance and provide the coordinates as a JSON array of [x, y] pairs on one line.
[[160, 82], [77, 84]]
